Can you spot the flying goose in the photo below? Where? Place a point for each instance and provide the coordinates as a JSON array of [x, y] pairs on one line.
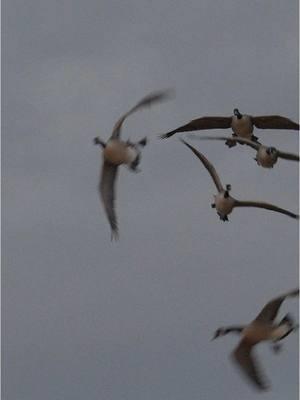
[[241, 125], [263, 328], [117, 152], [266, 156], [224, 203]]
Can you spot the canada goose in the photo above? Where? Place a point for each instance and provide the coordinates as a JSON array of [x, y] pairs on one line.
[[241, 125], [261, 329], [117, 152], [224, 203], [266, 156]]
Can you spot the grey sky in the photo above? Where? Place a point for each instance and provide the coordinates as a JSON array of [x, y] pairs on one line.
[[87, 318]]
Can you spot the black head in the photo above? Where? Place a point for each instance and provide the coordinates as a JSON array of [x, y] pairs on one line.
[[237, 113], [219, 332], [98, 141], [271, 150]]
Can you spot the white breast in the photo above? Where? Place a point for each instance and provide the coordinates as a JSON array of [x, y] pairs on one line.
[[224, 205], [264, 159], [242, 127], [131, 154]]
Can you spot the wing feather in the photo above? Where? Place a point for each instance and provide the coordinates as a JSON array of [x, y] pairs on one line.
[[266, 206], [288, 156], [200, 124], [210, 168], [107, 193], [147, 101], [270, 310], [274, 122], [245, 359], [240, 140]]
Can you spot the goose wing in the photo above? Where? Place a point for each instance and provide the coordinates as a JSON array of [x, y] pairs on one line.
[[248, 364], [274, 122], [147, 101], [200, 124], [210, 168], [107, 193], [288, 156], [248, 142], [266, 206], [270, 310]]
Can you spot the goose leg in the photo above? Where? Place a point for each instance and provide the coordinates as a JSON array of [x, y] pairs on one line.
[[231, 143], [223, 217], [134, 165], [254, 139]]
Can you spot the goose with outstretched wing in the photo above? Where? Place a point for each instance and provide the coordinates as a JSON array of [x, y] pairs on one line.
[[224, 203], [117, 152], [242, 125], [263, 328], [266, 156]]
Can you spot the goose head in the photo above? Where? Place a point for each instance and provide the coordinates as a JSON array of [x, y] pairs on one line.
[[219, 332], [271, 151], [237, 113], [98, 141]]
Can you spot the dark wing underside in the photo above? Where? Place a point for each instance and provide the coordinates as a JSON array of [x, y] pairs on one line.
[[240, 140], [107, 192], [270, 310], [266, 206], [288, 156], [274, 122], [210, 168], [249, 366], [200, 124]]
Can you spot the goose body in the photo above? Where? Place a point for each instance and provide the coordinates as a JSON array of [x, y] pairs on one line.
[[224, 203], [242, 125], [117, 152], [262, 328], [266, 157]]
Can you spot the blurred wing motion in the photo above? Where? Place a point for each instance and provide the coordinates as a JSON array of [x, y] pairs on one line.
[[248, 142], [210, 168], [244, 358], [107, 192], [274, 122], [147, 101], [266, 206], [288, 156], [270, 310], [200, 124]]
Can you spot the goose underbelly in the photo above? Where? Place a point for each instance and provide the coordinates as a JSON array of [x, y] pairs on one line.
[[257, 333], [242, 127], [118, 153], [264, 159], [224, 205]]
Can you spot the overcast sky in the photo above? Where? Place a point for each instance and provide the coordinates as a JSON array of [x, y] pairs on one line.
[[84, 318]]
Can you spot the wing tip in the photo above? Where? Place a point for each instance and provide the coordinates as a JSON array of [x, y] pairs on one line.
[[114, 236]]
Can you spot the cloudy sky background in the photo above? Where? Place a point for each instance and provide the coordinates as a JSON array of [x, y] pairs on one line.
[[87, 318]]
